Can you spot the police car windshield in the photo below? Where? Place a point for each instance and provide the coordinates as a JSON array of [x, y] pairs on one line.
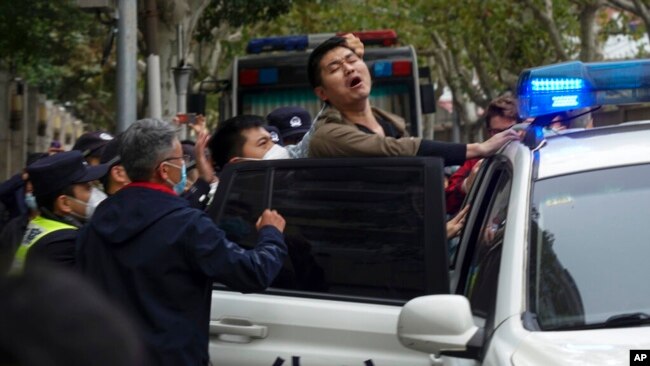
[[589, 248]]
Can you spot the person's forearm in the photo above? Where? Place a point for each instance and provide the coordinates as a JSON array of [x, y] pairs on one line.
[[452, 153], [474, 151]]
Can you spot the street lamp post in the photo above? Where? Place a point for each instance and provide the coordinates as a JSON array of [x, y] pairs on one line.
[[126, 63], [182, 75]]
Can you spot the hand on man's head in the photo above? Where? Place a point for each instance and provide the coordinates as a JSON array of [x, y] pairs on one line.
[[354, 43]]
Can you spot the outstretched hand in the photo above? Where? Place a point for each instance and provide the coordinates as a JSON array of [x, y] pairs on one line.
[[494, 143]]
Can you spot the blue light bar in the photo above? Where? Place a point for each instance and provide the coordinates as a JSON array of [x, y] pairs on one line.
[[284, 43], [571, 85]]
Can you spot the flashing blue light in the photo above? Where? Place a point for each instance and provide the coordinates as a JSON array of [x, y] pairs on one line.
[[558, 84], [285, 43], [382, 69], [560, 101], [571, 85], [268, 76]]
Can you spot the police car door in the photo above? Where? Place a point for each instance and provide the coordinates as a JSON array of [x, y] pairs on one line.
[[364, 237]]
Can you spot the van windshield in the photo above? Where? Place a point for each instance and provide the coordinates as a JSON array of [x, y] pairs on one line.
[[589, 249]]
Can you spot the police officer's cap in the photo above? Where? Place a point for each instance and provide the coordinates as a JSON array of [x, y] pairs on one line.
[[91, 143], [290, 120], [56, 172], [276, 137]]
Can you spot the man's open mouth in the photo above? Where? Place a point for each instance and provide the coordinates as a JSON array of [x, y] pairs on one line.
[[355, 81]]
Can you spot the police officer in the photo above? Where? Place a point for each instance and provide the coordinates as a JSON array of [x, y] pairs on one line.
[[60, 185]]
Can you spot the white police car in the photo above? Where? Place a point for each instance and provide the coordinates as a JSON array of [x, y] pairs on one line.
[[553, 264]]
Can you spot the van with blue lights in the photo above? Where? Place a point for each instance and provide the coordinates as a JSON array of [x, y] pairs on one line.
[[552, 264], [274, 74]]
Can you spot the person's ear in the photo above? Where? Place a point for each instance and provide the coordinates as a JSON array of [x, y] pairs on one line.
[[320, 93], [163, 171], [119, 174], [62, 205]]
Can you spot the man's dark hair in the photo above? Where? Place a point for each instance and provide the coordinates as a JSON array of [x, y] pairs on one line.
[[313, 65], [504, 106], [227, 141]]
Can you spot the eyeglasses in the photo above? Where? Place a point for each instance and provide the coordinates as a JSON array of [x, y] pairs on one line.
[[186, 158], [494, 131]]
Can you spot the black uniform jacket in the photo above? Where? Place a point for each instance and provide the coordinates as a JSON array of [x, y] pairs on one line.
[[157, 257]]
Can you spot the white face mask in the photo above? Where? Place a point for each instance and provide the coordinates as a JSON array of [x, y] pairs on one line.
[[276, 152], [96, 197]]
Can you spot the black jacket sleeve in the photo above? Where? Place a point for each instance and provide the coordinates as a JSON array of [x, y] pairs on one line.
[[240, 269], [453, 153]]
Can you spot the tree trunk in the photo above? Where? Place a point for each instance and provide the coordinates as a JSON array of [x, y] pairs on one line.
[[545, 16], [590, 47]]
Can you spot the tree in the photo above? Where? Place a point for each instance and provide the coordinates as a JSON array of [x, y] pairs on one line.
[[57, 47], [205, 25], [639, 8]]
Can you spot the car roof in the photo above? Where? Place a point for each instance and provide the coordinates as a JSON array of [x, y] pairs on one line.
[[604, 147]]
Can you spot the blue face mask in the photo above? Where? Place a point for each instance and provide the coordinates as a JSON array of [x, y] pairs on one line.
[[30, 201], [180, 186]]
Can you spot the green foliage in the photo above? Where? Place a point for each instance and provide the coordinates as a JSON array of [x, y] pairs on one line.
[[237, 13], [35, 31], [57, 47]]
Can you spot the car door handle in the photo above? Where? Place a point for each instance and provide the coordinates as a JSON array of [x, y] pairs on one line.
[[238, 326]]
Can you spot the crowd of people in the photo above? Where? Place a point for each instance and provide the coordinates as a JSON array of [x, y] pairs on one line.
[[127, 212]]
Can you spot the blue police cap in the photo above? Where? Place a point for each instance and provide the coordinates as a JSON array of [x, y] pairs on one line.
[[54, 173], [275, 135], [290, 120], [91, 143]]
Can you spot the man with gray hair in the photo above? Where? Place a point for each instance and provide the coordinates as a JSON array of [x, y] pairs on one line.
[[157, 257]]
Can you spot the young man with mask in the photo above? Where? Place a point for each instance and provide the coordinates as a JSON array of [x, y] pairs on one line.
[[62, 190], [157, 257], [350, 126], [243, 137]]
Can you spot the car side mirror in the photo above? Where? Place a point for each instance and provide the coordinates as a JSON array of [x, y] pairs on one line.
[[436, 324]]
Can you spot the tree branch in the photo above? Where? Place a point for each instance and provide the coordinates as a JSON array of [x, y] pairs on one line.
[[636, 7], [545, 16], [590, 48]]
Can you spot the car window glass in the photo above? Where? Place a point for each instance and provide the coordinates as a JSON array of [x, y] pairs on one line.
[[481, 284], [244, 204], [350, 231], [589, 248]]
